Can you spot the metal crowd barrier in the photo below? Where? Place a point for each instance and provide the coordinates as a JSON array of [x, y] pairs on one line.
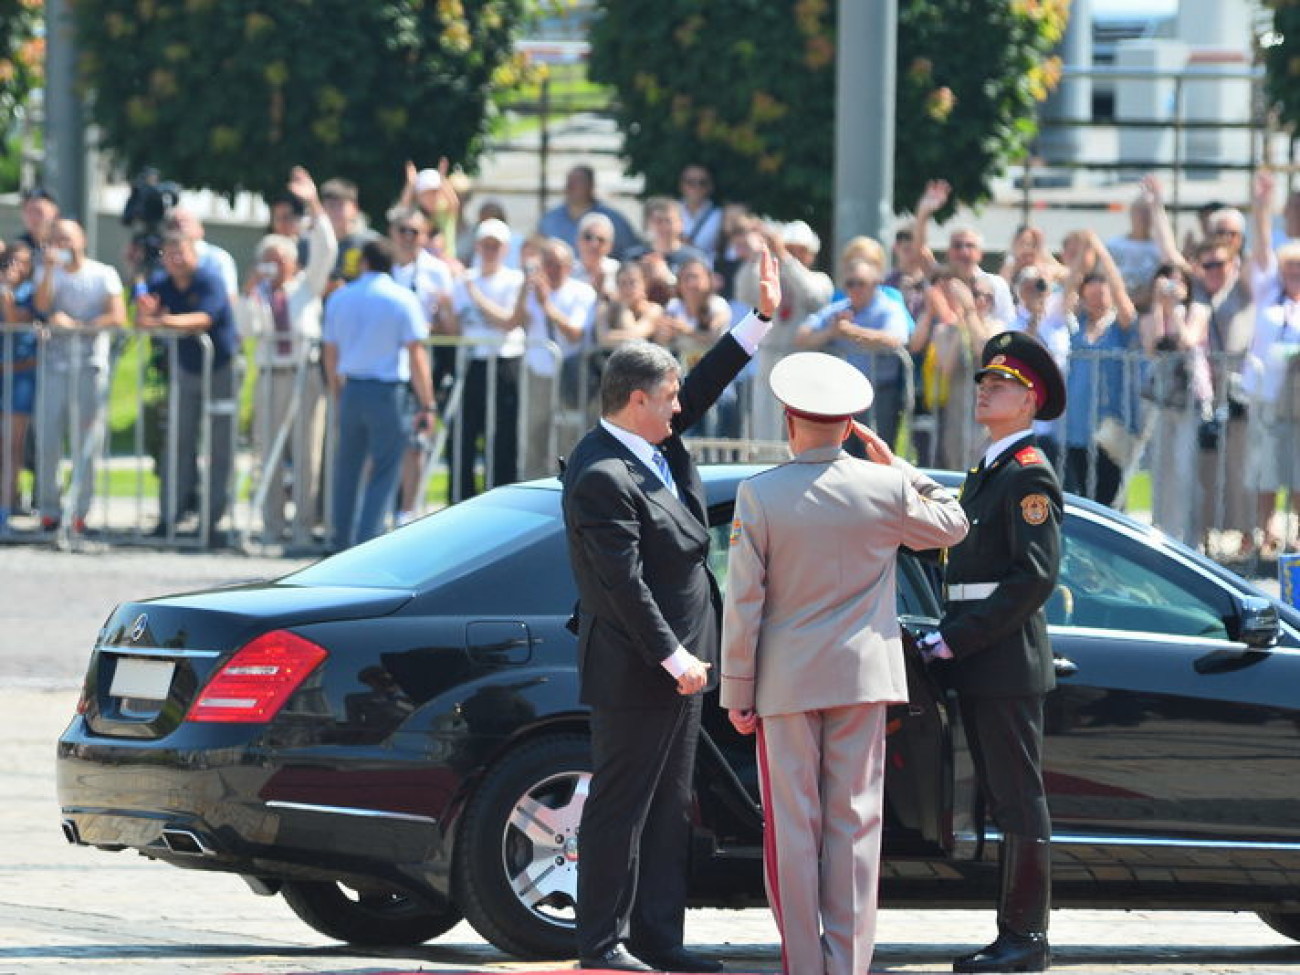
[[1193, 452], [78, 456], [473, 385], [291, 424]]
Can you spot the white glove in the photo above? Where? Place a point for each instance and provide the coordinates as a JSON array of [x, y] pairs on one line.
[[933, 647]]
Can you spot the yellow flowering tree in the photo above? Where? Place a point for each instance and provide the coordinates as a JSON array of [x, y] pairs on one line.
[[1282, 63], [22, 65], [747, 88], [229, 94]]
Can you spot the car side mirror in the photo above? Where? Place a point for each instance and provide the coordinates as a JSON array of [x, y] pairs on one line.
[[1256, 623]]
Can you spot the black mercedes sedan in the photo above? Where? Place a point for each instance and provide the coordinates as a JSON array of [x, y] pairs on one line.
[[391, 738]]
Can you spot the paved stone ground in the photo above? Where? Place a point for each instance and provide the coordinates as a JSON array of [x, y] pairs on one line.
[[67, 908]]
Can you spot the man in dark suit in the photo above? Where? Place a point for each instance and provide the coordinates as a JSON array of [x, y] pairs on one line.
[[995, 633], [649, 607]]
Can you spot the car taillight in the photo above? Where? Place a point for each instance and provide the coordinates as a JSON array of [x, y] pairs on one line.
[[254, 684]]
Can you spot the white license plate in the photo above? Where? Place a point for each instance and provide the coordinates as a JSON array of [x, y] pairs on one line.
[[135, 677]]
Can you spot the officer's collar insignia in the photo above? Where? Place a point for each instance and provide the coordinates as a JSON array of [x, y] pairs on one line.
[[1029, 455]]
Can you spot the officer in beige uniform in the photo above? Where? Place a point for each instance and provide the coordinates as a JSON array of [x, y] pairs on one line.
[[812, 657]]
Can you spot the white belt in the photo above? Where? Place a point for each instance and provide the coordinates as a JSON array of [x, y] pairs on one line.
[[963, 592]]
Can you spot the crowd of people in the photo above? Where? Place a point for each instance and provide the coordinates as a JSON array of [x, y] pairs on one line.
[[1178, 354]]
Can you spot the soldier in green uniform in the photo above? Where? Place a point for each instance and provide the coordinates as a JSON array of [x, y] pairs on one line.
[[994, 632]]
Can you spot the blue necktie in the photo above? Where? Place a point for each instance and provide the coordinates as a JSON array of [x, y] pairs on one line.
[[661, 464]]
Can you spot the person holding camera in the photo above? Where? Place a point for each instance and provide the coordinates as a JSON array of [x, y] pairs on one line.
[[553, 307], [281, 308], [1221, 293], [73, 294], [482, 307], [1172, 332], [39, 212]]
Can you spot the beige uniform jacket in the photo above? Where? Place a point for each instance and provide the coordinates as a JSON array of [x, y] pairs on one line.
[[810, 620]]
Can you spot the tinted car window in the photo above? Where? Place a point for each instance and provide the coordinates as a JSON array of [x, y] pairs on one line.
[[446, 544], [1110, 582], [719, 546]]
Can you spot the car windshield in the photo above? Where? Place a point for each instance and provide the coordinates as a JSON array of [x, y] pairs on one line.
[[446, 544]]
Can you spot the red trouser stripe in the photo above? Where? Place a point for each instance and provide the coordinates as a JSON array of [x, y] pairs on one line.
[[770, 866]]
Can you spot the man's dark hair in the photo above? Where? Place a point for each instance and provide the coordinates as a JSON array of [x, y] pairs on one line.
[[1205, 209], [39, 192], [378, 255], [293, 201], [636, 365]]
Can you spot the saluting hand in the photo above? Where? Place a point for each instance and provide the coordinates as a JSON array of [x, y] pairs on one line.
[[877, 450]]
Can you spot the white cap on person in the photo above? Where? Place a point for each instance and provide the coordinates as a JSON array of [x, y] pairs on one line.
[[797, 233], [427, 179], [493, 229], [820, 387]]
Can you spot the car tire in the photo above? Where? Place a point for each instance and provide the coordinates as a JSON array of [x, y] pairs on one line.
[[371, 919], [1283, 922], [515, 871]]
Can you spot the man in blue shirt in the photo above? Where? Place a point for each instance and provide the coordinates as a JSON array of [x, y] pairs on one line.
[[869, 330], [373, 344], [190, 302], [579, 200]]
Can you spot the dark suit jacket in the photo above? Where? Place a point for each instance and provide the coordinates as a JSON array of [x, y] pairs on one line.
[[640, 556], [1000, 643]]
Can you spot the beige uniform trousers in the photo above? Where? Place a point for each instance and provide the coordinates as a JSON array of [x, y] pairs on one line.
[[822, 775]]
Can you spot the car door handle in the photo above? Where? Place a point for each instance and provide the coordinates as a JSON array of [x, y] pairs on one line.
[[1064, 666]]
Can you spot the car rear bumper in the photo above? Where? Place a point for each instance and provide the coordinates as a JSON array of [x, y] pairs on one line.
[[221, 809]]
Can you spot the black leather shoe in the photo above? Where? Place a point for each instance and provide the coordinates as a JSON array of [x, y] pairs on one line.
[[614, 960], [679, 960], [1009, 953]]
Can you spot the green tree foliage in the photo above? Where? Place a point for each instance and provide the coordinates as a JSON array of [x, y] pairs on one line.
[[1282, 63], [747, 88], [22, 66], [229, 94]]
